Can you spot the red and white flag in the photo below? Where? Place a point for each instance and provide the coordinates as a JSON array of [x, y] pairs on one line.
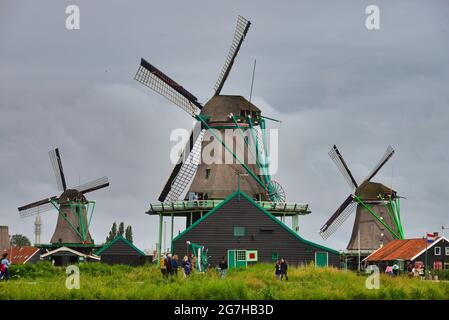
[[430, 237]]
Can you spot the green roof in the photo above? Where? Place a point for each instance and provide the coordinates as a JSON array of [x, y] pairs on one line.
[[272, 217], [98, 253]]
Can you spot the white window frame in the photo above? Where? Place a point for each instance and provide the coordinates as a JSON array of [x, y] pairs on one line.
[[435, 251], [447, 251]]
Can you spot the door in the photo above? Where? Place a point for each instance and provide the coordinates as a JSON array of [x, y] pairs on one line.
[[236, 259], [321, 259], [240, 258], [231, 259]]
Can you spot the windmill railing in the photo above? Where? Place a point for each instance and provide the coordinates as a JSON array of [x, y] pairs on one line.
[[183, 207]]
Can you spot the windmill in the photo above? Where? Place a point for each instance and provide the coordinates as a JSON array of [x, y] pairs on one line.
[[378, 219], [75, 211], [221, 112]]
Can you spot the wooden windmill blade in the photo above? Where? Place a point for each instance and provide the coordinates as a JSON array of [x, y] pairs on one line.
[[36, 207], [185, 169], [153, 78], [340, 216], [336, 156], [388, 154], [239, 35], [93, 185], [55, 159]]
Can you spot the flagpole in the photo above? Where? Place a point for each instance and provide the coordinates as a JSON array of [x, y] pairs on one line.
[[425, 269]]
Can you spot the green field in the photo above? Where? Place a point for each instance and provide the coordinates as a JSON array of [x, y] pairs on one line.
[[98, 281]]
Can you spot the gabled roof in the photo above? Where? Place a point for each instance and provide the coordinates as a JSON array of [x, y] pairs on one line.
[[119, 238], [20, 255], [407, 249], [242, 194], [65, 249]]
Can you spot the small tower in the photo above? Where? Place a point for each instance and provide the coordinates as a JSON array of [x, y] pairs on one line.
[[37, 229]]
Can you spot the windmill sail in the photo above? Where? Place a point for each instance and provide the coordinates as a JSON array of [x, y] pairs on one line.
[[336, 156], [240, 32], [388, 154], [56, 163], [184, 170], [102, 182], [153, 78], [337, 219], [36, 207]]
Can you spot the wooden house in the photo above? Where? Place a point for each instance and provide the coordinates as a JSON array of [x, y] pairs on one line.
[[64, 256], [121, 251], [416, 251], [244, 232]]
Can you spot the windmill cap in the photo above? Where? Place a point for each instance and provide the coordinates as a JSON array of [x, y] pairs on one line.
[[219, 107]]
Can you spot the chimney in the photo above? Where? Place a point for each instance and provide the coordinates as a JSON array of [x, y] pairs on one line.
[[4, 238], [435, 234]]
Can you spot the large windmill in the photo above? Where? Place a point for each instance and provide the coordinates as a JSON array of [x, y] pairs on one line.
[[75, 211], [221, 112], [378, 219], [249, 172]]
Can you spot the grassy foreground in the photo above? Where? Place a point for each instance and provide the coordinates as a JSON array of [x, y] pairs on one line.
[[98, 281]]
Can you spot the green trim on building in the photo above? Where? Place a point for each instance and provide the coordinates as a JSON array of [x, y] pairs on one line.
[[98, 253], [240, 193]]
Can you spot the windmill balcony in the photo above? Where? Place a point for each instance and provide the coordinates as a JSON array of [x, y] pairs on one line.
[[181, 208]]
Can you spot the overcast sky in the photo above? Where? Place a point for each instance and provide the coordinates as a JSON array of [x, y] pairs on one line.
[[319, 70]]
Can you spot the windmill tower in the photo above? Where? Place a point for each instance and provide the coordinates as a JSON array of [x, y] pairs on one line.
[[220, 113], [378, 219], [37, 229], [75, 211]]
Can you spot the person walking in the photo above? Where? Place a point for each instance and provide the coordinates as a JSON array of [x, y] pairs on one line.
[[4, 267], [277, 269], [223, 267], [284, 268]]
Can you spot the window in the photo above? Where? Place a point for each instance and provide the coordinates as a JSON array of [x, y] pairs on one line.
[[437, 251], [447, 251], [207, 173], [438, 265], [241, 255], [239, 231]]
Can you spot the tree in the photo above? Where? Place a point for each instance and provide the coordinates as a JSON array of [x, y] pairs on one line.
[[19, 240], [121, 229], [112, 233], [129, 234]]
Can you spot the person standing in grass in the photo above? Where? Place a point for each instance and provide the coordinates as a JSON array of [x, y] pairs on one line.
[[223, 267], [277, 269], [186, 266], [169, 265], [395, 269], [4, 267], [163, 265], [284, 268], [174, 265]]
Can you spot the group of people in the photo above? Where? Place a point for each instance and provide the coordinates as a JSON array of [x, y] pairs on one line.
[[392, 270], [416, 270], [169, 265], [280, 269], [4, 267], [200, 196]]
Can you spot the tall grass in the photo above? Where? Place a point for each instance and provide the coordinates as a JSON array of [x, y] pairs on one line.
[[99, 281]]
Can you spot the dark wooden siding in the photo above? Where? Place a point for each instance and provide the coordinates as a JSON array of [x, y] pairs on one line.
[[121, 253], [216, 233]]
